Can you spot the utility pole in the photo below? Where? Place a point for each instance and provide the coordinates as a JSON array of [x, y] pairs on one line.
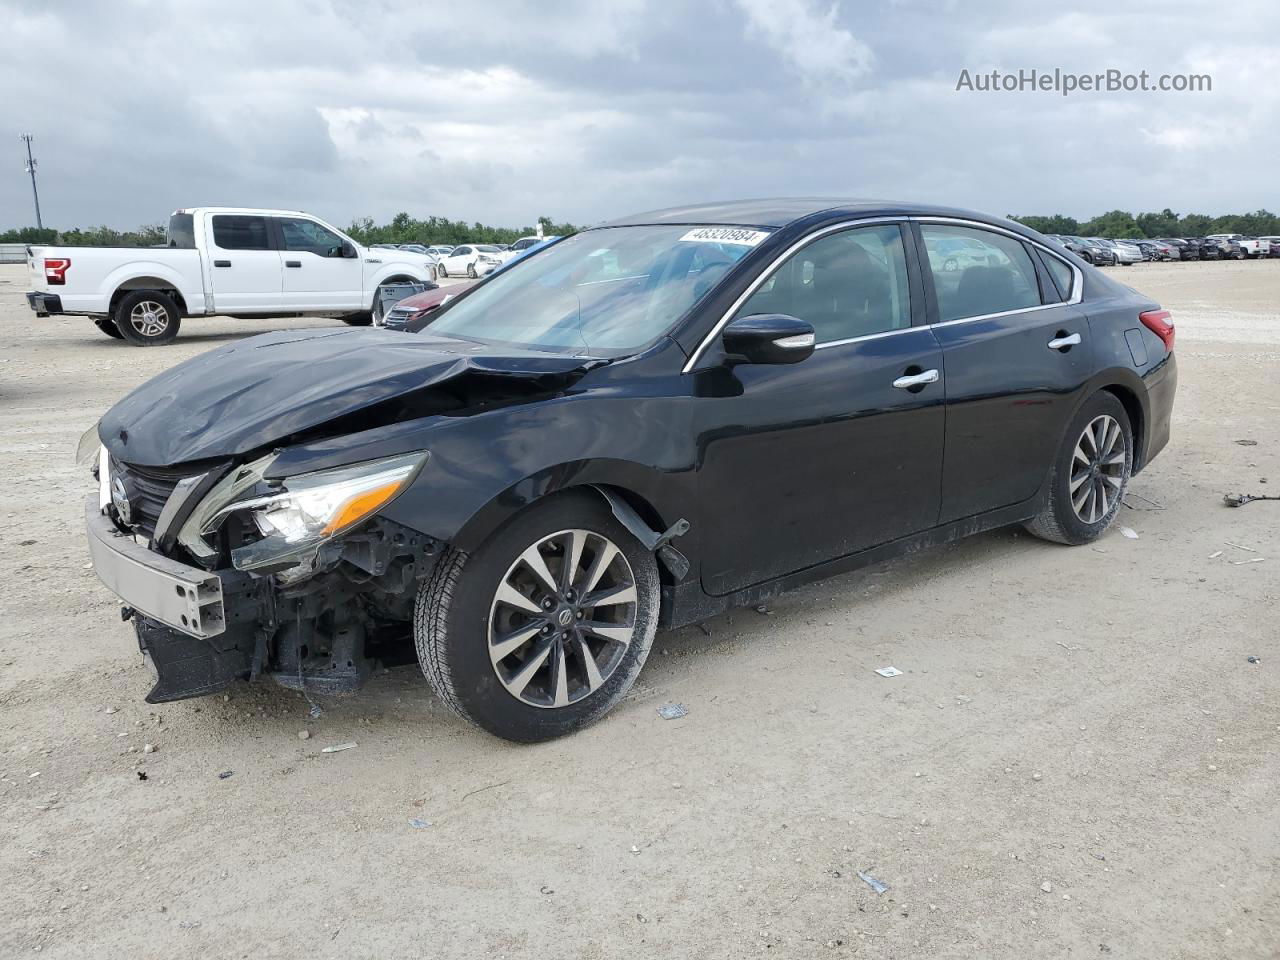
[[31, 169]]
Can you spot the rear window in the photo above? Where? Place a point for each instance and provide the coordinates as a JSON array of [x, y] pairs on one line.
[[182, 231], [241, 233]]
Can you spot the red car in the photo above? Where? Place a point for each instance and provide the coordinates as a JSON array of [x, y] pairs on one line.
[[408, 311]]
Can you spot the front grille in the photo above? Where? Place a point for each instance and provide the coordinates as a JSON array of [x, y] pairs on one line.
[[148, 489]]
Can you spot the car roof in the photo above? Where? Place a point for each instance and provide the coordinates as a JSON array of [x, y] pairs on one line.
[[783, 211]]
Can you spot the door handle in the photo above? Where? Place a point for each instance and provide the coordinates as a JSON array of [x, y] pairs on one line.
[[916, 379], [293, 263], [1062, 342], [222, 263]]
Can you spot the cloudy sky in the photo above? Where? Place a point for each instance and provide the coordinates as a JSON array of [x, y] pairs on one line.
[[501, 111]]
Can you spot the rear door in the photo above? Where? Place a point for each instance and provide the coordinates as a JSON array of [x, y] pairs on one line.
[[316, 274], [1017, 355], [244, 264]]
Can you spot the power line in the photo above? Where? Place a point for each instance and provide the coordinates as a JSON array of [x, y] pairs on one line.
[[31, 169]]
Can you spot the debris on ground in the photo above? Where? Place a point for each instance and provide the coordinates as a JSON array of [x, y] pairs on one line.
[[339, 747], [872, 882], [1247, 443], [1253, 659], [672, 711], [889, 672], [764, 608], [1215, 555], [419, 824], [149, 748], [1236, 563], [705, 629], [1137, 496], [225, 775], [142, 775], [1240, 499], [1129, 532], [1047, 887], [304, 734]]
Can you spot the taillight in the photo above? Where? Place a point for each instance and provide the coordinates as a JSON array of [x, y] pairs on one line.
[[1159, 322], [55, 270]]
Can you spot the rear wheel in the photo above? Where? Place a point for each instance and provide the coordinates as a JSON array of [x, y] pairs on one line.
[[441, 271], [543, 628], [471, 271], [147, 318], [108, 326], [1090, 474]]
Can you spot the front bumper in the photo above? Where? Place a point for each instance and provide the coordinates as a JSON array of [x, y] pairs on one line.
[[199, 631], [44, 303]]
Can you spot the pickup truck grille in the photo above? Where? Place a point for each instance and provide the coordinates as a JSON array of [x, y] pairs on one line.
[[147, 489]]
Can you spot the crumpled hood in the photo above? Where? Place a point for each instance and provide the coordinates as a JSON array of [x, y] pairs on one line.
[[263, 390]]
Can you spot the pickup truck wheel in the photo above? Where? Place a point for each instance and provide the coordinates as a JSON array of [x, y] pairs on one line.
[[544, 627], [108, 326], [147, 318], [358, 319]]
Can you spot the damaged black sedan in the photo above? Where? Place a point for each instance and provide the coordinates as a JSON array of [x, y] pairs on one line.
[[642, 425]]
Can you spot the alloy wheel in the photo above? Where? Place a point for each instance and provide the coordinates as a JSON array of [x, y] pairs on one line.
[[562, 618], [149, 318], [1098, 469]]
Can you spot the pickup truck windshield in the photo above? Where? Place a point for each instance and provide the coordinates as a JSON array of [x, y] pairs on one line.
[[605, 292]]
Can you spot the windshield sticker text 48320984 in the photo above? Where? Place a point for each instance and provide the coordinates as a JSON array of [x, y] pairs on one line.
[[735, 235]]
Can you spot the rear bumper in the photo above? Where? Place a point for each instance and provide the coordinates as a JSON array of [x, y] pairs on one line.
[[1162, 384], [44, 304]]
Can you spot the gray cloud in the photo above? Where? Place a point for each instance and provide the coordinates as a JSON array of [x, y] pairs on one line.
[[586, 110]]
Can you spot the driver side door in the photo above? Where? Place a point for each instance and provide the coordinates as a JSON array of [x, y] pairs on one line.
[[316, 274], [813, 461]]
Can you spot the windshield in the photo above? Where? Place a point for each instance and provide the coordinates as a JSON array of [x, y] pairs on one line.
[[606, 292]]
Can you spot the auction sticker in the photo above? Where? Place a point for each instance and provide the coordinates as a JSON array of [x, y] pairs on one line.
[[735, 235]]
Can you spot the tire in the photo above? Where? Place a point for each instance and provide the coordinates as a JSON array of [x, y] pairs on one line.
[[441, 271], [1064, 521], [358, 319], [108, 326], [471, 271], [458, 614], [147, 318]]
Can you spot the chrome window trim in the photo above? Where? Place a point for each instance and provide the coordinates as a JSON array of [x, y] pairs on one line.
[[1077, 286], [768, 271]]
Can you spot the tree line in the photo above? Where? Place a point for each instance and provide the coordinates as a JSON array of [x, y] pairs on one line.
[[1166, 223], [402, 229]]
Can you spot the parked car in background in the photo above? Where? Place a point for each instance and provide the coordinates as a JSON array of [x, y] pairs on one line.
[[470, 260], [1249, 246], [1125, 252], [412, 313], [1186, 249], [236, 262], [1148, 249], [439, 250], [647, 424], [1274, 243], [521, 249], [1165, 250], [1209, 250], [1093, 251]]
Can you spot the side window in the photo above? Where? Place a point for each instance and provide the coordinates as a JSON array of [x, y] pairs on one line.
[[848, 284], [976, 272], [460, 251], [306, 236], [240, 233], [1063, 276]]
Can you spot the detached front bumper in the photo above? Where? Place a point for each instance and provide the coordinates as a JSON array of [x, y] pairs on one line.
[[198, 630], [44, 304]]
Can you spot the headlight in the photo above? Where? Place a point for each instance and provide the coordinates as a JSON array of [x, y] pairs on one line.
[[306, 511]]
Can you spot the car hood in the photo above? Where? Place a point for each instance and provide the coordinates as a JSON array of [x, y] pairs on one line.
[[285, 387]]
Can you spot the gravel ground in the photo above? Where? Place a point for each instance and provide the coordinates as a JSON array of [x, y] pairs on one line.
[[1078, 759]]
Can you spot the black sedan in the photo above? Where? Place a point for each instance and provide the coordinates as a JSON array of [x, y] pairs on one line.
[[642, 425]]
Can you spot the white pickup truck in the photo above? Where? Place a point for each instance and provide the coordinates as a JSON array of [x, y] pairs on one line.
[[1252, 246], [220, 260]]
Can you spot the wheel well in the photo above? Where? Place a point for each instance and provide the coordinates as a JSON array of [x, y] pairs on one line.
[[147, 283], [1129, 400]]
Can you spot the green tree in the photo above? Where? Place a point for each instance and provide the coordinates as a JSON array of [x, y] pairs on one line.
[[1056, 224]]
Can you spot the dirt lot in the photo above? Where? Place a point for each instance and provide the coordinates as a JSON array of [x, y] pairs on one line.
[[1078, 760]]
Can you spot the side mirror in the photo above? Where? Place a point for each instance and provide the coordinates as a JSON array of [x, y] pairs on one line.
[[769, 338], [348, 250]]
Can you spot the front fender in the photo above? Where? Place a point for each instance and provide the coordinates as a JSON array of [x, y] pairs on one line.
[[416, 272]]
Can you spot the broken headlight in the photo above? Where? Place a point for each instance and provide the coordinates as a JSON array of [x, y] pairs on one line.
[[297, 514]]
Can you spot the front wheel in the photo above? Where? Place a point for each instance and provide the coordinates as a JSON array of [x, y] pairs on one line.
[[441, 271], [1090, 474], [147, 318], [542, 629]]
